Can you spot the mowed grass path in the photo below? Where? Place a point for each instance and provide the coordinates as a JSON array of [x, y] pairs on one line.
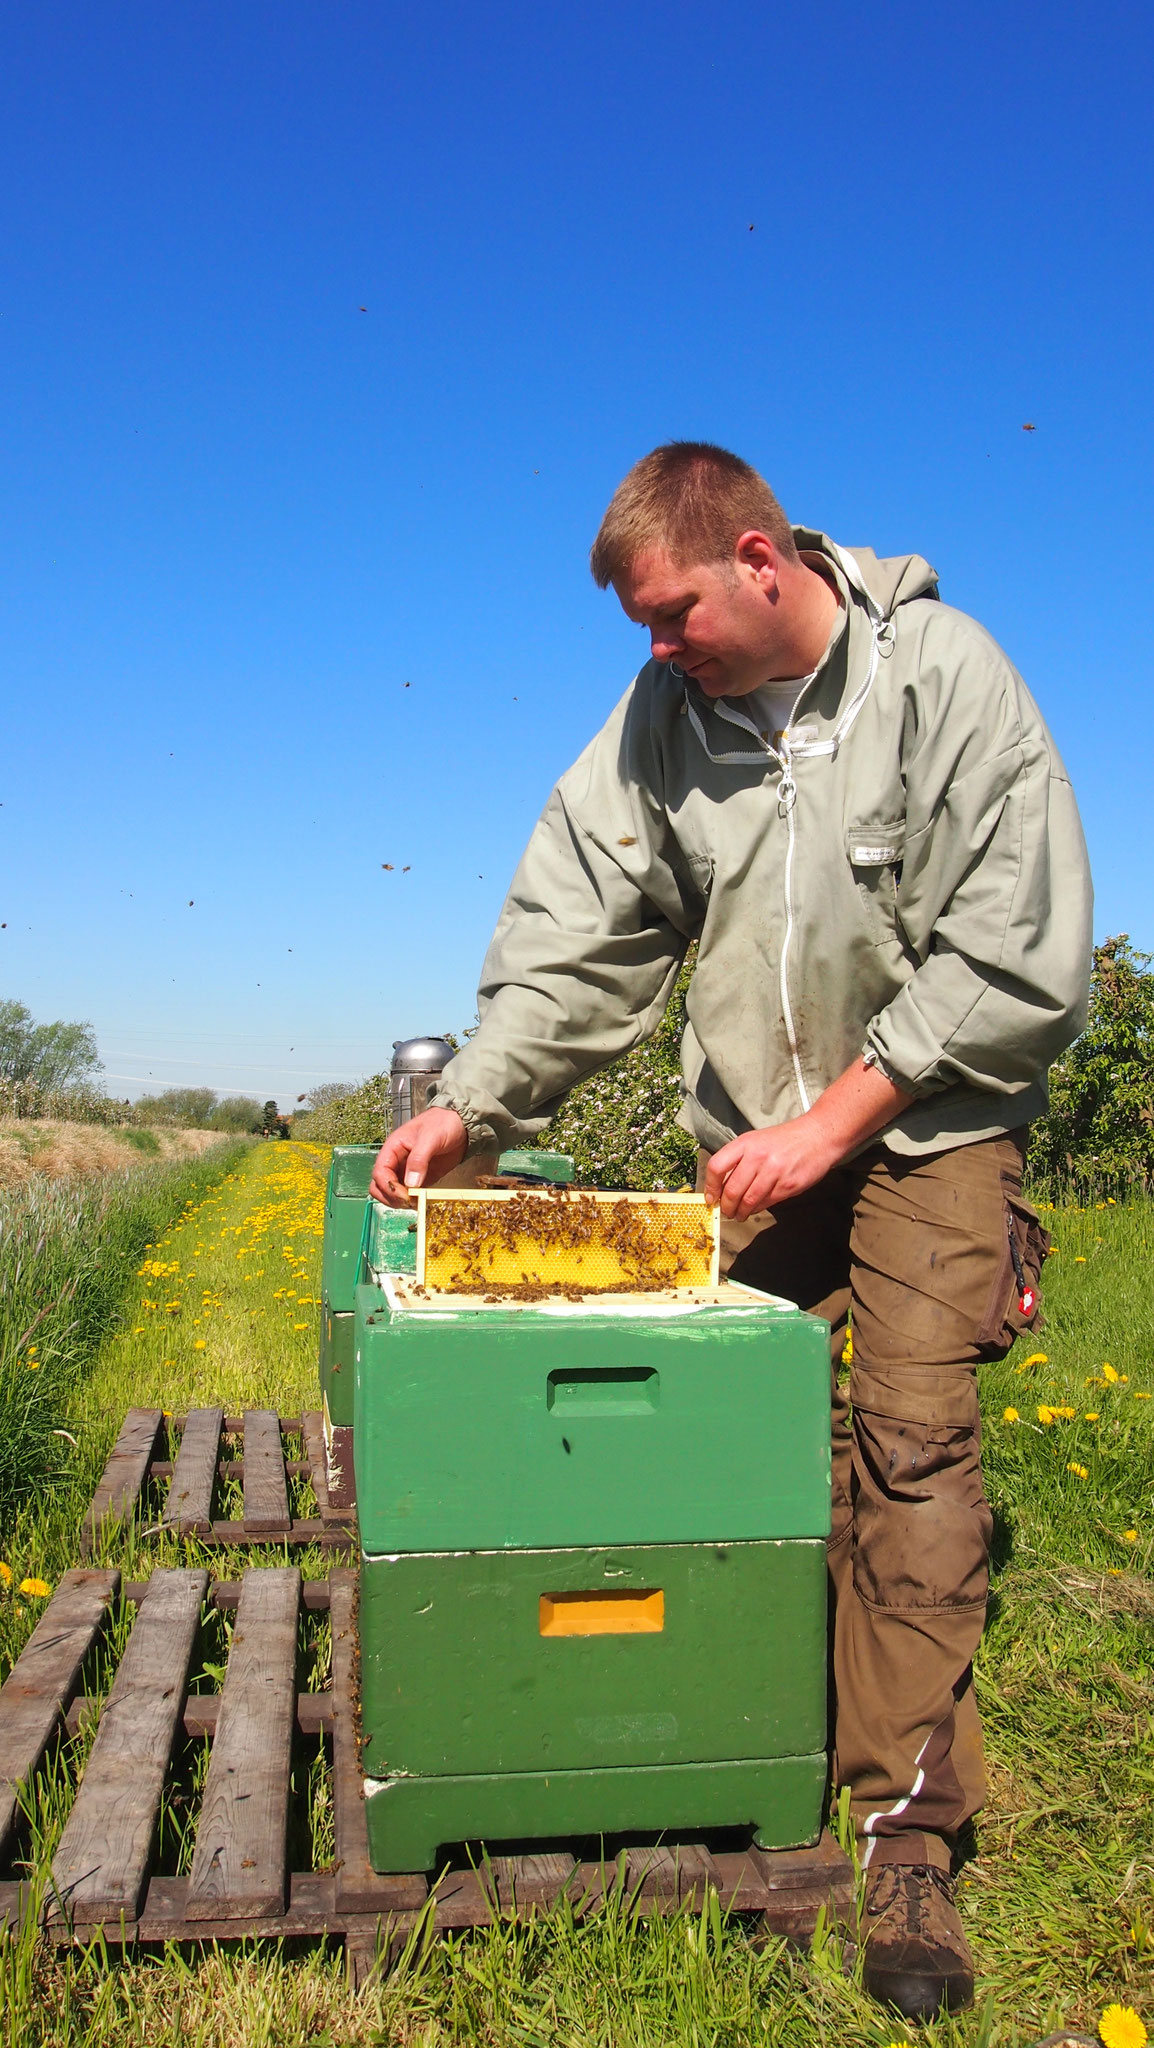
[[1058, 1892], [227, 1304]]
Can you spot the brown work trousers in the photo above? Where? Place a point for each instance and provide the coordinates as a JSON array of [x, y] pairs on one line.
[[920, 1249]]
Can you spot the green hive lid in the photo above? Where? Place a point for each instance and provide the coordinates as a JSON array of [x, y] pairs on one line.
[[554, 1166], [352, 1170]]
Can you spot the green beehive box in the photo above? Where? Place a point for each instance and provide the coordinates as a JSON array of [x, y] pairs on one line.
[[495, 1427], [697, 1699], [593, 1573], [345, 1205]]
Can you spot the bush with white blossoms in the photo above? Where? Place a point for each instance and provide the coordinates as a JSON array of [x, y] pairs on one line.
[[621, 1126]]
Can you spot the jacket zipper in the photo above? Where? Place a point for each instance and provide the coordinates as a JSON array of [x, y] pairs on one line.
[[787, 797], [882, 634]]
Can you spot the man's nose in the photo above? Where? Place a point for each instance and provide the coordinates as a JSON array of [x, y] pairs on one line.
[[665, 643]]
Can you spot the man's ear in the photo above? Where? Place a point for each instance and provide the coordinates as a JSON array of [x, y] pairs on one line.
[[756, 551]]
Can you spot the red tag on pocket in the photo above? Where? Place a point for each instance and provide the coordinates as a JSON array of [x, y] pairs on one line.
[[1027, 1301]]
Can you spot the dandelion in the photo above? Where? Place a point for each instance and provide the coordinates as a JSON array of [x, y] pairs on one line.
[[1079, 1471], [1129, 1535], [1091, 1415], [199, 1344], [1079, 1261], [1140, 1394], [1010, 1415], [300, 1326], [36, 1589], [1045, 1415], [1035, 1358], [5, 1574], [1120, 2027], [1109, 1375]]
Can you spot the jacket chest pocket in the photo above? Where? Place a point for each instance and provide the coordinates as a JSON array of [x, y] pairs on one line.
[[875, 854]]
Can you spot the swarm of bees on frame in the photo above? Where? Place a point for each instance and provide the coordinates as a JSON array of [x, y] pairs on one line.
[[636, 1235]]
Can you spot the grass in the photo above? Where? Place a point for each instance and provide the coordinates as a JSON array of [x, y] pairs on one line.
[[46, 1149], [1057, 1892], [67, 1256]]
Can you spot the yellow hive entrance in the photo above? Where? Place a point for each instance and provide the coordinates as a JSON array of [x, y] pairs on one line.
[[602, 1614], [529, 1242]]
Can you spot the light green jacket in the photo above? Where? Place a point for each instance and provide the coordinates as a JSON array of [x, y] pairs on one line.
[[907, 879]]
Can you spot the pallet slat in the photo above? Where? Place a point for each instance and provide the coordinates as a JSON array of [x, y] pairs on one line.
[[238, 1865], [671, 1874], [118, 1493], [266, 1507], [43, 1679], [189, 1505], [313, 1436], [532, 1880], [99, 1868]]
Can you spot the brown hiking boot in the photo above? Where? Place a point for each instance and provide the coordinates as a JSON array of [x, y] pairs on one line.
[[916, 1956]]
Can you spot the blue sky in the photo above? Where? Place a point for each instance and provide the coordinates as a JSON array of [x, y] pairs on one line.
[[290, 589]]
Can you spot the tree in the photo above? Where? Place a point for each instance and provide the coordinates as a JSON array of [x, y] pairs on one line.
[[236, 1113], [51, 1056], [190, 1107], [1099, 1131], [327, 1092], [621, 1126]]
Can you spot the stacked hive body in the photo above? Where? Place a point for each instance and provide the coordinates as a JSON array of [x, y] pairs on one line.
[[592, 1529], [345, 1207]]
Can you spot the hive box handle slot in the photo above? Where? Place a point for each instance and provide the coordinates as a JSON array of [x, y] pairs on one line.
[[608, 1390], [602, 1614]]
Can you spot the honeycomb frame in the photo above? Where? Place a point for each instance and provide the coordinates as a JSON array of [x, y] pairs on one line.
[[529, 1243]]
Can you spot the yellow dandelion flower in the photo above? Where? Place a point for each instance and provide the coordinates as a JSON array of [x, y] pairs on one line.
[[1035, 1358], [1079, 1471], [1010, 1415], [1079, 1261], [5, 1574], [1045, 1414], [300, 1326], [1120, 2027], [1109, 1375], [1129, 1535], [1066, 1412], [1091, 1415], [1140, 1394], [33, 1365], [198, 1344], [36, 1589]]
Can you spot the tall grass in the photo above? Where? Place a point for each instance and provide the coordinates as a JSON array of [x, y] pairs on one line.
[[67, 1255]]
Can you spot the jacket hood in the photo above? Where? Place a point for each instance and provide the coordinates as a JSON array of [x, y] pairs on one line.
[[889, 580]]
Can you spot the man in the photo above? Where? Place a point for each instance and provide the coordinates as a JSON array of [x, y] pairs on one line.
[[843, 792]]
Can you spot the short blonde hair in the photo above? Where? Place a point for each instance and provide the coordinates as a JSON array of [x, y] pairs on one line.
[[691, 499]]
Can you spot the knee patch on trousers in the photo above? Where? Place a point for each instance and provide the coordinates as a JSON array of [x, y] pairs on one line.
[[922, 1524]]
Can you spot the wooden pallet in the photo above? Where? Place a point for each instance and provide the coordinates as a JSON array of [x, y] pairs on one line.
[[240, 1882], [196, 1452]]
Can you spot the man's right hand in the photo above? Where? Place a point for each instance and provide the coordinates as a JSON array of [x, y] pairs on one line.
[[416, 1154]]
